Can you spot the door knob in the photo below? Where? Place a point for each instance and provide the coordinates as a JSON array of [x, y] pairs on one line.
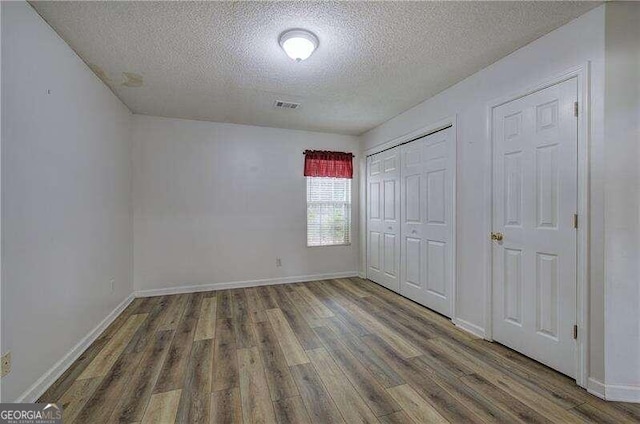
[[497, 236]]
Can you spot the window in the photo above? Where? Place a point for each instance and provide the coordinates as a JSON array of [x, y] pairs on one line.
[[328, 211], [329, 177]]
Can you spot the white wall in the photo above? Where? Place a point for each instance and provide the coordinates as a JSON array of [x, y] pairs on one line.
[[622, 200], [66, 209], [569, 46], [217, 203]]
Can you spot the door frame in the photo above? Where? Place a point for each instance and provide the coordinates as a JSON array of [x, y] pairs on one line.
[[448, 122], [582, 74]]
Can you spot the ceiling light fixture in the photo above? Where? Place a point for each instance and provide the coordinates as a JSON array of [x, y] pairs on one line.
[[298, 44]]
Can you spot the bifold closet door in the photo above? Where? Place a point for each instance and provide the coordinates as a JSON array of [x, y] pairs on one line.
[[427, 215], [383, 218]]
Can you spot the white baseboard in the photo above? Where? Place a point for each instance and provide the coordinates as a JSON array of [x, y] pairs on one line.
[[595, 387], [622, 393], [241, 284], [469, 327], [48, 378], [613, 392], [362, 275]]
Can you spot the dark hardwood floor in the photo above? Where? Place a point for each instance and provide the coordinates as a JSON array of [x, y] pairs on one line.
[[329, 351]]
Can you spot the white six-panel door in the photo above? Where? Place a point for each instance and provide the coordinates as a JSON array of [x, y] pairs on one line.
[[427, 187], [534, 202], [383, 218]]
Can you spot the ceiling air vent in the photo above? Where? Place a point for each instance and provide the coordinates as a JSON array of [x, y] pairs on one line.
[[279, 104]]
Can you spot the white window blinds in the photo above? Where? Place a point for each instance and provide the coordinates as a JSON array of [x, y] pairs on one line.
[[328, 211]]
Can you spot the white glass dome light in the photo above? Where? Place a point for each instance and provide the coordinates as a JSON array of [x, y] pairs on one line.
[[298, 44]]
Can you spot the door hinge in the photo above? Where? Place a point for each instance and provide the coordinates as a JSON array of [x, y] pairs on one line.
[[575, 220], [575, 332], [575, 109]]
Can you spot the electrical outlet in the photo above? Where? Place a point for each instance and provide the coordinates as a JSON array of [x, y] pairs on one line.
[[278, 262], [6, 364], [112, 284]]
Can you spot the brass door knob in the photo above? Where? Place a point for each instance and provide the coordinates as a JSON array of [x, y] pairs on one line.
[[497, 236]]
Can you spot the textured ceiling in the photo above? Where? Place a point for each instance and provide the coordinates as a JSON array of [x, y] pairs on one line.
[[220, 61]]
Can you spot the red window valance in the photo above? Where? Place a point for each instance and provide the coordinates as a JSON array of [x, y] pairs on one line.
[[320, 163]]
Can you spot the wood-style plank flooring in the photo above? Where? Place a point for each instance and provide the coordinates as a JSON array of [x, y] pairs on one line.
[[335, 351]]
